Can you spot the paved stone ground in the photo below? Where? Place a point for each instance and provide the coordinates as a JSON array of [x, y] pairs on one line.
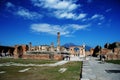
[[76, 58], [95, 70]]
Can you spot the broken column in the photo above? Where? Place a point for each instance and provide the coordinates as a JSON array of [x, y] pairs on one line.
[[58, 41]]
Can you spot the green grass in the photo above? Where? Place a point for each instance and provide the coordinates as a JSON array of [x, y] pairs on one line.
[[42, 73], [113, 61], [26, 61]]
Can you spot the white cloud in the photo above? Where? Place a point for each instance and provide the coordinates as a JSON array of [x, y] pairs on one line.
[[81, 16], [9, 4], [99, 23], [79, 27], [65, 30], [27, 14], [60, 8], [23, 12], [55, 4], [97, 16], [108, 10], [69, 15], [47, 28]]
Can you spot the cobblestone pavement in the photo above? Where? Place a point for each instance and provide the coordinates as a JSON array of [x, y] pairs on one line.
[[93, 69]]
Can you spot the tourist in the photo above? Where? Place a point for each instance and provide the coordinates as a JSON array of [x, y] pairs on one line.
[[103, 58]]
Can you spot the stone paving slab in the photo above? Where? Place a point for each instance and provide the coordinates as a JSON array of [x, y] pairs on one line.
[[99, 69], [87, 73]]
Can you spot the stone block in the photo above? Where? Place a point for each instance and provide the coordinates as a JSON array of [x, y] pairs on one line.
[[58, 57], [109, 57], [119, 57], [36, 56], [115, 57]]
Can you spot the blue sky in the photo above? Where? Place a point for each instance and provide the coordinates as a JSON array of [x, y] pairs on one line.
[[91, 22]]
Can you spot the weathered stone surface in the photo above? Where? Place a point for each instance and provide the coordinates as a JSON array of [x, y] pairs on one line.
[[42, 56], [116, 50], [87, 73], [58, 57], [36, 56], [77, 50]]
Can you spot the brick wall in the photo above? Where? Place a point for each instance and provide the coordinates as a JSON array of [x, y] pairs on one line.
[[105, 51], [36, 56], [111, 54], [116, 50], [113, 57], [42, 56], [58, 57]]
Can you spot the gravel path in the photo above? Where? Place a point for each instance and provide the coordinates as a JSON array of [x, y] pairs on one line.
[[18, 64], [53, 64]]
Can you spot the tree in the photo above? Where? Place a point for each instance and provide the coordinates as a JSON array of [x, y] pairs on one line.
[[27, 47], [107, 45], [96, 51], [20, 51]]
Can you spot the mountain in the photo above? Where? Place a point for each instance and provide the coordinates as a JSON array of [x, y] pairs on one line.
[[87, 48], [67, 45]]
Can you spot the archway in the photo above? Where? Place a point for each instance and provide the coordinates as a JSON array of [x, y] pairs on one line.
[[77, 51]]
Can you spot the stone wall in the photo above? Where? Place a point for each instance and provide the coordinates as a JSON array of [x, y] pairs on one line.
[[116, 50], [87, 53], [113, 57], [58, 57], [111, 54], [91, 51], [42, 56], [36, 56], [105, 51]]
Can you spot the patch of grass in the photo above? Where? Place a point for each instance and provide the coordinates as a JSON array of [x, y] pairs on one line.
[[113, 61], [42, 73], [26, 61], [12, 73]]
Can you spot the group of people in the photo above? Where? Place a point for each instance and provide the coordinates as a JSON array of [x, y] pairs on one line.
[[102, 57], [66, 57], [4, 54]]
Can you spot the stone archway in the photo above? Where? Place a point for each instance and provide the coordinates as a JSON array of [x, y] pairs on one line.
[[77, 51]]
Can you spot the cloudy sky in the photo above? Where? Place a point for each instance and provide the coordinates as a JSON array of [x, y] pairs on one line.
[[91, 22]]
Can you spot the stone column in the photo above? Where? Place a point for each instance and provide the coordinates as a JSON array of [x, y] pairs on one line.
[[16, 52], [58, 41], [84, 51]]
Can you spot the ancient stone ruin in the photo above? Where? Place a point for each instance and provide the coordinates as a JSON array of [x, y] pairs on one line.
[[45, 52]]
